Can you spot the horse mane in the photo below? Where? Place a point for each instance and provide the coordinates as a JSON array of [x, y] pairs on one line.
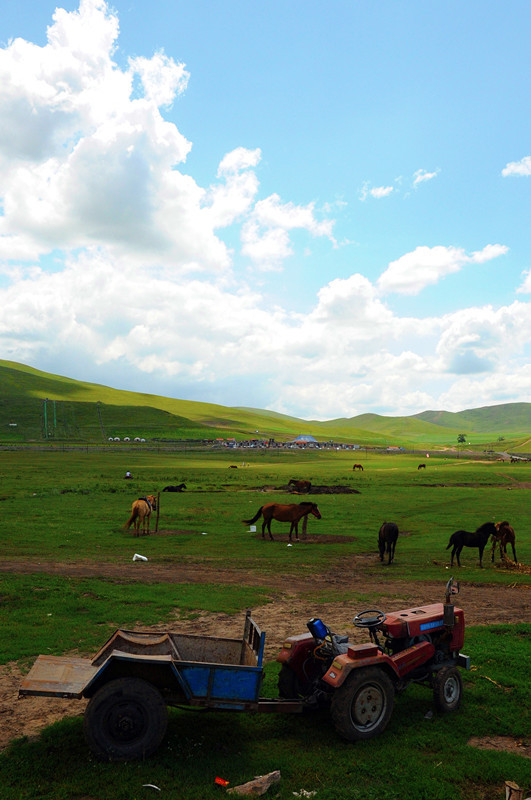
[[490, 526]]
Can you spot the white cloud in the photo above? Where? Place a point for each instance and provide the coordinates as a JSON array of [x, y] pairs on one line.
[[425, 266], [421, 176], [265, 236], [525, 288], [86, 158], [377, 192], [522, 167]]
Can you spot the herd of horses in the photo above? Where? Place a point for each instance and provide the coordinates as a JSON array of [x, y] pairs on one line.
[[501, 534]]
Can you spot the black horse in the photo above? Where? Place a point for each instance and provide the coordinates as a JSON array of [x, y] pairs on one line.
[[478, 539], [387, 536], [178, 488]]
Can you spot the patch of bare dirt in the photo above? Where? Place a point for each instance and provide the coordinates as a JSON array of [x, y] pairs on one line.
[[295, 600], [506, 743]]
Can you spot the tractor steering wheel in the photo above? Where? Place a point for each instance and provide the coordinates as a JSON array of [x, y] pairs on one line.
[[369, 619]]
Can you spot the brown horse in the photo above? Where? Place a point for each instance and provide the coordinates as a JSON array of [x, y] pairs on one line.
[[284, 513], [358, 466], [140, 513], [421, 466], [504, 535], [387, 536], [302, 487]]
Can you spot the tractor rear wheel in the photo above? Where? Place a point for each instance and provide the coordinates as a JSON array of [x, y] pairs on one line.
[[125, 719], [362, 706], [447, 689]]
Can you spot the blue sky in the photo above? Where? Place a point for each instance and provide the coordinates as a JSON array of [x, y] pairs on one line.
[[316, 208]]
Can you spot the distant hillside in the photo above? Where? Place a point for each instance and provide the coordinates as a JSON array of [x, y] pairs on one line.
[[507, 417], [36, 405]]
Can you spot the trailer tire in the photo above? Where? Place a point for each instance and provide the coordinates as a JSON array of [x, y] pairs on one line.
[[126, 719], [447, 689], [362, 706]]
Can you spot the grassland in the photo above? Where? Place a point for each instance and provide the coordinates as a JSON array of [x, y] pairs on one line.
[[64, 508]]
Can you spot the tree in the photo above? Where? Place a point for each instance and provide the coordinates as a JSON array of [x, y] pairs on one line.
[[461, 439]]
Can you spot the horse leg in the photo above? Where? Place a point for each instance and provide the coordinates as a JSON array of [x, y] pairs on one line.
[[269, 530], [481, 556], [514, 553], [263, 528]]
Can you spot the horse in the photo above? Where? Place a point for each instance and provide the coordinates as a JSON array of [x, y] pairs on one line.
[[387, 536], [284, 513], [302, 487], [421, 466], [178, 488], [478, 539], [504, 535], [140, 513], [358, 466]]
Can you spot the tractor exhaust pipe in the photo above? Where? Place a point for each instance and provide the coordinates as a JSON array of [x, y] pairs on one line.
[[448, 615]]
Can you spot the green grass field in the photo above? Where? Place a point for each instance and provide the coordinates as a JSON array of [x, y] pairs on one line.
[[71, 506]]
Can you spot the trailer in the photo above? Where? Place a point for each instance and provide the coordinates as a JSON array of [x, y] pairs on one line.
[[135, 676]]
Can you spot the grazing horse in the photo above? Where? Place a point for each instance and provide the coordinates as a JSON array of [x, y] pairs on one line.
[[178, 488], [284, 513], [358, 466], [478, 539], [504, 535], [140, 513], [387, 536], [421, 466], [302, 487]]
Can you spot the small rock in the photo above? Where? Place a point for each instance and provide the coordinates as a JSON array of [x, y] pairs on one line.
[[256, 787]]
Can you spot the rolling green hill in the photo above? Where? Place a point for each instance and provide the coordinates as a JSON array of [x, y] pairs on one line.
[[38, 406]]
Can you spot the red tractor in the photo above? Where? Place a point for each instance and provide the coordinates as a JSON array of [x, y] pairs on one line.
[[359, 682]]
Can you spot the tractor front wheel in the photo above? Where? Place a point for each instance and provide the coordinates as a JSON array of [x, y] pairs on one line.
[[362, 706], [126, 719], [447, 689]]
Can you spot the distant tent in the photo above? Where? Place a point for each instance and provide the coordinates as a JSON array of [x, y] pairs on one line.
[[304, 438]]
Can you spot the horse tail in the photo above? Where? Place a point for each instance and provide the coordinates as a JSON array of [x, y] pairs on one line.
[[450, 543], [132, 518], [256, 516]]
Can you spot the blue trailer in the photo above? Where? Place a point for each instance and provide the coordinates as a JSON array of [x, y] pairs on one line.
[[136, 675]]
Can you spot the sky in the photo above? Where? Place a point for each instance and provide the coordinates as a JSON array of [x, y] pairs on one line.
[[316, 208]]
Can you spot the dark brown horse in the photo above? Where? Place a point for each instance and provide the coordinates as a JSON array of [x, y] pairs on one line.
[[284, 513], [478, 539], [301, 487], [140, 514], [387, 536], [358, 466], [178, 488], [421, 466], [504, 535]]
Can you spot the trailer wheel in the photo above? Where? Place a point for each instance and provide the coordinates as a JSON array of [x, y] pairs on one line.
[[362, 706], [447, 689], [125, 719]]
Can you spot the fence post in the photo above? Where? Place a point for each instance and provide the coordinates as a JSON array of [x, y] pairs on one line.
[[158, 511]]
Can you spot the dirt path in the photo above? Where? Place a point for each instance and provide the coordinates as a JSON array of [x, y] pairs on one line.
[[294, 602]]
